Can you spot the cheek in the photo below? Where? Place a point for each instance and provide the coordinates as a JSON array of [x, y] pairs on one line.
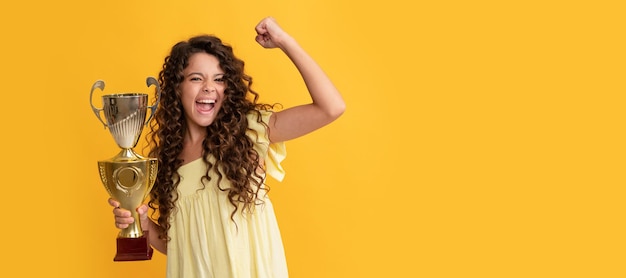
[[187, 99], [184, 92], [221, 92]]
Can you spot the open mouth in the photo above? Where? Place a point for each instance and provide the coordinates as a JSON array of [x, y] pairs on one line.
[[205, 105]]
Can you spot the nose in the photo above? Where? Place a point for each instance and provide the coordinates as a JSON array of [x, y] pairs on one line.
[[209, 88]]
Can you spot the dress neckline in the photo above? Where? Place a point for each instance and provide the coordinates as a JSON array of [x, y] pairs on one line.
[[191, 162]]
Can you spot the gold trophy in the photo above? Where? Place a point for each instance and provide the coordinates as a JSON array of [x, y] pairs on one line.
[[128, 177]]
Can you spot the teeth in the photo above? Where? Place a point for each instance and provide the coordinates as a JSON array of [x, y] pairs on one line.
[[206, 101]]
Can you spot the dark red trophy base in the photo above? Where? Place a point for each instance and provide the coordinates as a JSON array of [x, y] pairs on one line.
[[133, 249]]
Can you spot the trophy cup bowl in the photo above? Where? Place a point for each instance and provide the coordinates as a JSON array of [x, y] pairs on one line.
[[128, 177]]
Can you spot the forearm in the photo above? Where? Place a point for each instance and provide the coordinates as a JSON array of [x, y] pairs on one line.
[[153, 237], [324, 94]]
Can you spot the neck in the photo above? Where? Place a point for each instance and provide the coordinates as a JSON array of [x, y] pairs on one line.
[[192, 146], [195, 136]]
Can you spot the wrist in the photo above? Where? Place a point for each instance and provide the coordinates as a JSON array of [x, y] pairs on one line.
[[286, 43]]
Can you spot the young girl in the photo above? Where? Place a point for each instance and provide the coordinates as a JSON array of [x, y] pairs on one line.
[[215, 145]]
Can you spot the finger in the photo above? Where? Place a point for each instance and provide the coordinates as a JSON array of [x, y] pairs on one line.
[[260, 28], [120, 212], [113, 202], [143, 209], [271, 26], [124, 220], [262, 40]]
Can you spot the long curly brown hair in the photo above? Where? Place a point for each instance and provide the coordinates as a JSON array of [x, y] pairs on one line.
[[226, 139]]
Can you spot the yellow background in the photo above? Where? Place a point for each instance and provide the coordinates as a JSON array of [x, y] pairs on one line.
[[482, 138]]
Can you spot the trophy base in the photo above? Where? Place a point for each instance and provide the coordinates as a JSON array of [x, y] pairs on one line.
[[133, 249]]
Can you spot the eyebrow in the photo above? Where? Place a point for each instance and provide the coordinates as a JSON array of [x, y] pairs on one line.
[[194, 73], [197, 73]]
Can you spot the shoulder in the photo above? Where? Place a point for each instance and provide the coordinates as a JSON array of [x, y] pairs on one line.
[[259, 116], [258, 121]]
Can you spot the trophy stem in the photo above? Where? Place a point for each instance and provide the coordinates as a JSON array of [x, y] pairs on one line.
[[133, 230], [127, 154]]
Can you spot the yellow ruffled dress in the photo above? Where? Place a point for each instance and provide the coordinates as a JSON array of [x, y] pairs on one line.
[[205, 242]]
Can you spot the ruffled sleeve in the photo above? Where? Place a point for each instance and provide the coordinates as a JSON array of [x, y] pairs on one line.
[[272, 153]]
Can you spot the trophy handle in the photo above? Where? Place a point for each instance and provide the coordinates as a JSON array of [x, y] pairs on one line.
[[98, 85], [152, 81]]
